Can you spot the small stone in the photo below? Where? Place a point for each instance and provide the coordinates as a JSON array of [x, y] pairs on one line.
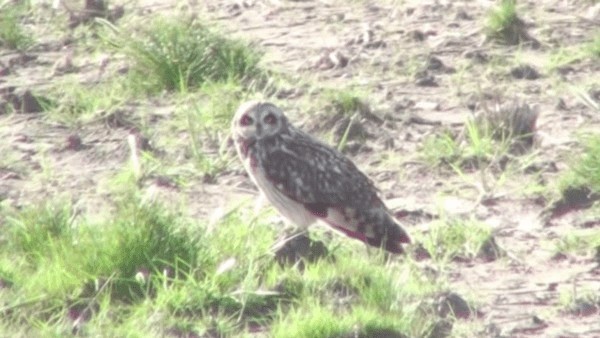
[[452, 303], [490, 250], [477, 56], [426, 81], [298, 248], [74, 143], [29, 103], [526, 72], [461, 14], [417, 35]]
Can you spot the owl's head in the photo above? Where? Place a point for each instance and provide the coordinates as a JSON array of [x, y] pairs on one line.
[[256, 120]]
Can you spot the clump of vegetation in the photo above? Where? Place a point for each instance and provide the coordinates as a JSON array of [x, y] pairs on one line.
[[593, 47], [346, 102], [585, 170], [457, 239], [175, 54], [162, 273], [579, 241], [489, 137], [513, 123], [13, 35], [207, 120], [441, 149], [504, 25]]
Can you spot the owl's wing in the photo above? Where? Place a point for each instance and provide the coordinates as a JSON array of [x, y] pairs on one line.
[[311, 172], [332, 188]]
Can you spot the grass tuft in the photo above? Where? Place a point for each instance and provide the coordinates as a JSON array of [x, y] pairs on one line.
[[175, 54], [593, 47], [13, 34], [504, 25], [456, 239], [585, 170], [346, 102]]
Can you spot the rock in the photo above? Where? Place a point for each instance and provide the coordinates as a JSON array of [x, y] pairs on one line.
[[300, 248], [451, 303], [526, 72]]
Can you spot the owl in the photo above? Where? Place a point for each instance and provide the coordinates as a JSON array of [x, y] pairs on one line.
[[307, 180]]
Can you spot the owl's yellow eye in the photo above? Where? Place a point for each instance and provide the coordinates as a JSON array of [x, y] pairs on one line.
[[246, 120], [270, 119]]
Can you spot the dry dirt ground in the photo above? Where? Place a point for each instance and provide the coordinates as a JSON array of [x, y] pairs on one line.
[[385, 50]]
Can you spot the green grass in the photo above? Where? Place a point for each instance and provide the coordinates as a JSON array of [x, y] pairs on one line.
[[584, 170], [74, 103], [149, 270], [490, 140], [580, 241], [439, 149], [181, 54], [346, 102], [456, 239], [13, 34], [503, 23], [474, 148], [593, 47]]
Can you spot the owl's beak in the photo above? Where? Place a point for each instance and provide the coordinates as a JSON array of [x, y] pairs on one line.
[[258, 130]]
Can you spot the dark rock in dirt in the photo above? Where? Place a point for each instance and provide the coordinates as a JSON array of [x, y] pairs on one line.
[[298, 249], [354, 128], [414, 217], [5, 283], [565, 70], [526, 72], [118, 119], [142, 142], [182, 333], [354, 147], [490, 250], [22, 101], [332, 59], [29, 103], [559, 256], [419, 253], [476, 56], [376, 332], [461, 14], [451, 303], [573, 198], [561, 104], [531, 326], [21, 59], [584, 308], [426, 80], [95, 9], [417, 35], [441, 329], [4, 70], [435, 64], [74, 143], [514, 121]]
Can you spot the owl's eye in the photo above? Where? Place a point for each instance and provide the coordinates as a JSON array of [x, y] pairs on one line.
[[270, 119], [246, 120]]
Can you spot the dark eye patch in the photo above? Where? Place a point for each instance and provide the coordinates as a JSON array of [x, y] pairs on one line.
[[270, 119], [246, 120]]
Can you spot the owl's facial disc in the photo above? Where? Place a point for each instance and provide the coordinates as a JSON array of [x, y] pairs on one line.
[[257, 120]]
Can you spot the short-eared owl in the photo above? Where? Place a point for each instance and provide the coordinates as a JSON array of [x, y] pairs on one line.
[[307, 180]]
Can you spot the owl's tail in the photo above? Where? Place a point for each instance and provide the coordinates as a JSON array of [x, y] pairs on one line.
[[379, 230]]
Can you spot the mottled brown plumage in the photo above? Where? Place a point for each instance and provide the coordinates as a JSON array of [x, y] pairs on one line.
[[307, 180]]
